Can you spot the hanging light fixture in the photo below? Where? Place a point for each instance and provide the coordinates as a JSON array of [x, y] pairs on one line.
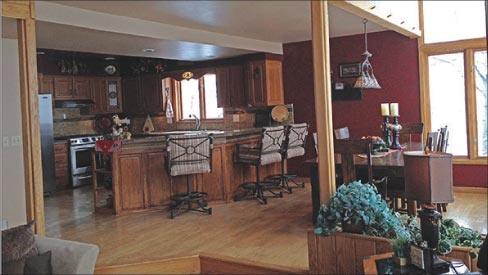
[[366, 79]]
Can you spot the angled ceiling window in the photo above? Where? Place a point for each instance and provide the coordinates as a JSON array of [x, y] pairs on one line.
[[453, 20]]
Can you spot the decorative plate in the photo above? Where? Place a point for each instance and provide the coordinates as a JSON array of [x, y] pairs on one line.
[[110, 69], [104, 123], [279, 113]]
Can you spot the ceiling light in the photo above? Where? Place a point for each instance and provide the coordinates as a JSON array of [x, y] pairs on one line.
[[109, 58], [41, 52], [366, 79], [148, 50]]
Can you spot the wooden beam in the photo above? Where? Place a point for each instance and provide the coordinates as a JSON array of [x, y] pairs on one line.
[[323, 99], [363, 9], [30, 113], [17, 9]]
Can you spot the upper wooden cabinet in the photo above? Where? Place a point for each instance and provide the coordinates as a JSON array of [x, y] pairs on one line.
[[230, 86], [46, 84], [143, 94], [107, 94], [264, 83], [69, 87]]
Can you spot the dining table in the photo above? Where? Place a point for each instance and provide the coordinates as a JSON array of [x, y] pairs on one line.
[[388, 164]]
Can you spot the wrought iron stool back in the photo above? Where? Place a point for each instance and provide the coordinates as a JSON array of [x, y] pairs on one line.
[[187, 155]]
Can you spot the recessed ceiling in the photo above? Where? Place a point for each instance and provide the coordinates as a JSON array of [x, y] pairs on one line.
[[69, 38], [196, 30]]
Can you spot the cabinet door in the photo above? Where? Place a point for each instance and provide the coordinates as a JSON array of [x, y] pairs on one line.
[[99, 95], [131, 94], [158, 181], [223, 93], [257, 84], [46, 84], [113, 95], [63, 87], [131, 182], [212, 183], [236, 87], [81, 88], [151, 87], [274, 82]]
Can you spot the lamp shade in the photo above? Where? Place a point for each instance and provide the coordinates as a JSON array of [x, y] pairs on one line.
[[428, 177]]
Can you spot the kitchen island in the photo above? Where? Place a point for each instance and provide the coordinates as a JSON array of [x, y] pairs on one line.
[[140, 181]]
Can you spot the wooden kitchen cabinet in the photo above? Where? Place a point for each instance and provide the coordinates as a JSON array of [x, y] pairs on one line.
[[71, 87], [230, 86], [61, 166], [131, 182], [213, 183], [46, 84], [107, 95], [264, 83], [143, 94]]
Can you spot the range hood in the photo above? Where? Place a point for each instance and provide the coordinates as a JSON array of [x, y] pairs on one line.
[[73, 103]]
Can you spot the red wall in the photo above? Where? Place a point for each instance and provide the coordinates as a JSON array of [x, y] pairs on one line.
[[395, 63]]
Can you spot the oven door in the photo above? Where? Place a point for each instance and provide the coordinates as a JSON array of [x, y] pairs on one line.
[[81, 159]]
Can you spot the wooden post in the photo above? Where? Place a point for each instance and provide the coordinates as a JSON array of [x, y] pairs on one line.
[[323, 99], [24, 12]]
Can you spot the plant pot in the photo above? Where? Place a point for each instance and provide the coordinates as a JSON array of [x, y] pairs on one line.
[[352, 228], [400, 261]]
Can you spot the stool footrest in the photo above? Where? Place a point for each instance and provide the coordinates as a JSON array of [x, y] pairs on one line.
[[194, 196]]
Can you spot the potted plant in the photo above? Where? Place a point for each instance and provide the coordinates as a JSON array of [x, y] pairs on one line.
[[358, 208], [401, 250]]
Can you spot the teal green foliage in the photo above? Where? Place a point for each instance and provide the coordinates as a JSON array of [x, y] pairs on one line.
[[358, 203], [401, 247]]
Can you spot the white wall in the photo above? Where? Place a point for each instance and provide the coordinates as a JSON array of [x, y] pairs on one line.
[[13, 190]]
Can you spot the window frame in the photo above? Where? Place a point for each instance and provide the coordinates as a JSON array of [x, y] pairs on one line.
[[468, 47], [201, 95]]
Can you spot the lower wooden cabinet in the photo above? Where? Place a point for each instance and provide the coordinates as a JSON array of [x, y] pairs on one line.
[[140, 180], [61, 166]]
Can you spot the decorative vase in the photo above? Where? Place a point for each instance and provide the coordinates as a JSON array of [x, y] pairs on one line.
[[352, 228]]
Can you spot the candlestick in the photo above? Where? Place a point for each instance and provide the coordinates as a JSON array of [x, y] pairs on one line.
[[386, 131], [394, 109], [395, 129], [385, 109]]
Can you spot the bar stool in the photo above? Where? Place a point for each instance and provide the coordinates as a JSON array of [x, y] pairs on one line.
[[294, 146], [188, 155], [267, 152]]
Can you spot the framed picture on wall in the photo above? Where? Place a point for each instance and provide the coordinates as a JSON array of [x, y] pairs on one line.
[[349, 70]]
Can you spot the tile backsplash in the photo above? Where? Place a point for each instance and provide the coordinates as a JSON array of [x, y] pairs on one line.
[[69, 122]]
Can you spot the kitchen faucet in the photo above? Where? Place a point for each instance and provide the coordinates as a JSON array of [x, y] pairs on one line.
[[198, 123]]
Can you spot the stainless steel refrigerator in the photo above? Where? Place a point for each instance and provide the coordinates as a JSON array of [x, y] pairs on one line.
[[47, 143]]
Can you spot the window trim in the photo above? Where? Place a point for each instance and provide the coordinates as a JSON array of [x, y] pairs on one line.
[[201, 94], [467, 47]]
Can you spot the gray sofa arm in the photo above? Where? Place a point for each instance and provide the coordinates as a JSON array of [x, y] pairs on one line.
[[69, 257]]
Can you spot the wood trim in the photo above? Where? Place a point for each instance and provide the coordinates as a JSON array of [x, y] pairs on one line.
[[469, 78], [183, 265], [423, 78], [18, 9], [453, 46], [364, 9], [30, 123], [323, 98], [205, 263], [478, 190], [217, 264]]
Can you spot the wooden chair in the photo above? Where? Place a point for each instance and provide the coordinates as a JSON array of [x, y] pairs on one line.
[[347, 148], [409, 129], [342, 133], [443, 139]]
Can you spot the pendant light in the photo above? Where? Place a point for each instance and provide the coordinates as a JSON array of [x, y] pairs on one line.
[[366, 79]]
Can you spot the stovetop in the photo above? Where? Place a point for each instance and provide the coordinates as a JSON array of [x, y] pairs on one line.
[[83, 140]]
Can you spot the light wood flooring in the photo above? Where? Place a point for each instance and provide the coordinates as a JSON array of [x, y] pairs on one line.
[[275, 233]]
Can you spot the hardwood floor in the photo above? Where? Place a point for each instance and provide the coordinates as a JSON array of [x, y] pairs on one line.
[[275, 233]]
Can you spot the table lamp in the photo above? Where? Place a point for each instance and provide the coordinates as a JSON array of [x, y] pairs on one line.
[[428, 180]]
